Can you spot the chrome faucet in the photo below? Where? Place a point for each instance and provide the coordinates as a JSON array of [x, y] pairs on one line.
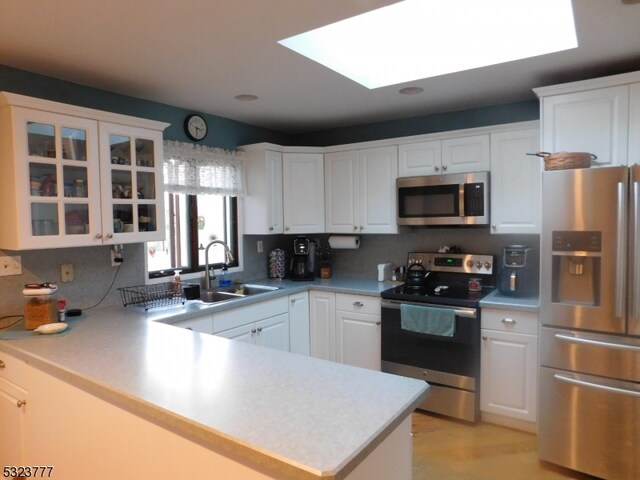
[[228, 256]]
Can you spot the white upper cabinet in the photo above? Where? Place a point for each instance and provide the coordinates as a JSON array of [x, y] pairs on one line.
[[360, 191], [598, 116], [515, 182], [303, 192], [77, 177], [450, 155], [263, 208]]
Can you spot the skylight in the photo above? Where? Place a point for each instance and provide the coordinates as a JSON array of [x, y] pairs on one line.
[[416, 39]]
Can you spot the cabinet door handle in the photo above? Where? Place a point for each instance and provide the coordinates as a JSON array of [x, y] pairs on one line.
[[355, 227], [444, 167], [21, 403], [436, 168], [271, 229], [109, 235], [484, 337], [286, 228], [259, 329], [2, 365], [508, 321], [358, 304], [378, 323], [293, 300], [98, 236], [253, 330]]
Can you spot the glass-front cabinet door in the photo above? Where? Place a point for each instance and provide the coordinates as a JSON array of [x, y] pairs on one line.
[[58, 179], [132, 191]]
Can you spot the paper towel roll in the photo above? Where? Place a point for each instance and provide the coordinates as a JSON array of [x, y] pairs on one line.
[[344, 241]]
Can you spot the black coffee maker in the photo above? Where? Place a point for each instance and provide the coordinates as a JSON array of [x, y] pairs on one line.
[[303, 264], [519, 271]]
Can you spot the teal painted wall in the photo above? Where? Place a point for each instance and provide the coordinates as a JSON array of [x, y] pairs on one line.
[[223, 132], [226, 133], [440, 122]]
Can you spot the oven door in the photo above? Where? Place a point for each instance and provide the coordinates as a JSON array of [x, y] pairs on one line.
[[451, 365], [457, 355]]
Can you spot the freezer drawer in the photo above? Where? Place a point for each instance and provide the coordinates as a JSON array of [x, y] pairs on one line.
[[592, 353], [590, 424]]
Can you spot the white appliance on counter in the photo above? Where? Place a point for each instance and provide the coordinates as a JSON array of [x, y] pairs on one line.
[[590, 315]]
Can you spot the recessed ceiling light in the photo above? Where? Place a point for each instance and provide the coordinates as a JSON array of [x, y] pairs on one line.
[[416, 39], [411, 90], [246, 97]]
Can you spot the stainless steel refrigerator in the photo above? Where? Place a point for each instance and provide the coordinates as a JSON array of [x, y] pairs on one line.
[[590, 314]]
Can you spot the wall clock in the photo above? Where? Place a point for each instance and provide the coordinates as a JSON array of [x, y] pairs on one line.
[[195, 127]]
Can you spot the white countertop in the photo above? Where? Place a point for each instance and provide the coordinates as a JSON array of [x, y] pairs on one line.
[[296, 415]]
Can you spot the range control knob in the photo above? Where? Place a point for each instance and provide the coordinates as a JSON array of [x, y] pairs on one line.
[[487, 265], [479, 264], [469, 263]]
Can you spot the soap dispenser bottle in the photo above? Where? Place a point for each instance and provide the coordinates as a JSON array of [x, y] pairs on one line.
[[225, 278]]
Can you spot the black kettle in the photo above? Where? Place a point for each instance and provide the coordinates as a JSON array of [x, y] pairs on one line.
[[416, 276]]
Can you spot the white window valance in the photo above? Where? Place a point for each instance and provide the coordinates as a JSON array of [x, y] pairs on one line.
[[199, 169]]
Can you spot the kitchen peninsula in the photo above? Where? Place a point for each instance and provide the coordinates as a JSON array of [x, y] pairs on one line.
[[119, 396]]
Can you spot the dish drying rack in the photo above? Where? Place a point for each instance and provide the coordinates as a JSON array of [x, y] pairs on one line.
[[152, 296]]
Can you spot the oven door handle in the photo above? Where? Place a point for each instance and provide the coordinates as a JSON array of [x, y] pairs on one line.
[[459, 312]]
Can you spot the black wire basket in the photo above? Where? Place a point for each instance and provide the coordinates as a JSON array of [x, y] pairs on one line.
[[153, 296]]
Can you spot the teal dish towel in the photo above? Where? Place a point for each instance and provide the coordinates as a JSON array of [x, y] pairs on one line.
[[429, 320]]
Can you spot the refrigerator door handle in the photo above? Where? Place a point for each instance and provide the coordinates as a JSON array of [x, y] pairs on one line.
[[620, 251], [581, 383], [596, 343], [634, 298]]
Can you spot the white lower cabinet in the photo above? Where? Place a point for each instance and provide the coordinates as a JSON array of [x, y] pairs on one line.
[[271, 332], [509, 367], [13, 413], [203, 324], [264, 323], [322, 319], [358, 331], [299, 323], [346, 328]]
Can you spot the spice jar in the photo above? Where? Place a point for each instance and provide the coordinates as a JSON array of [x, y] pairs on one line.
[[39, 304]]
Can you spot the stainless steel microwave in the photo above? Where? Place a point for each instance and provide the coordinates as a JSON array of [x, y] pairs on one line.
[[442, 200]]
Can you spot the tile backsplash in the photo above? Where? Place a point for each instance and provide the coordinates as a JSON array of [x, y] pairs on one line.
[[95, 278]]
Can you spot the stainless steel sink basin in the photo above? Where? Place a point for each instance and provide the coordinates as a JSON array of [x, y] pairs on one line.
[[246, 289], [213, 296], [234, 292]]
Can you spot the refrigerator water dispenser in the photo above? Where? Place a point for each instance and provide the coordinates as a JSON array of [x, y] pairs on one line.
[[576, 268]]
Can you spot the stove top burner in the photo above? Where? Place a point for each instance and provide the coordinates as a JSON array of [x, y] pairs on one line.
[[457, 295]]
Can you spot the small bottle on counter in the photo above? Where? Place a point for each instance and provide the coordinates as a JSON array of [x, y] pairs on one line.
[[62, 310]]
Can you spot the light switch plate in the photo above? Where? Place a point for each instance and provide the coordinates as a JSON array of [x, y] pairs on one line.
[[10, 266]]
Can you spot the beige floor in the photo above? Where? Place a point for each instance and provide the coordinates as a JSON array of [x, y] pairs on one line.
[[445, 449]]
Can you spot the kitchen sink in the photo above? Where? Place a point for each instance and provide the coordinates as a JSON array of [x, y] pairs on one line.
[[246, 289], [234, 292]]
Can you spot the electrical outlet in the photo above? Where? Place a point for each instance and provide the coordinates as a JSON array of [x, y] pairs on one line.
[[66, 272], [10, 266], [260, 246]]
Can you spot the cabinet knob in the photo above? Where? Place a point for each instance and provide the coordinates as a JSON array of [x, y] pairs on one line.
[[259, 329], [21, 403], [436, 168], [293, 300], [361, 227], [444, 167], [2, 365], [109, 235], [493, 227], [355, 227], [98, 236], [378, 323], [286, 228], [484, 337], [358, 304], [270, 229], [509, 321], [253, 330]]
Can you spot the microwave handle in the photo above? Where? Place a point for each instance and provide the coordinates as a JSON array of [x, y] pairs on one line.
[[461, 199]]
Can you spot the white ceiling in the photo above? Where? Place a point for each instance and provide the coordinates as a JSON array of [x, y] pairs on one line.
[[199, 54]]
